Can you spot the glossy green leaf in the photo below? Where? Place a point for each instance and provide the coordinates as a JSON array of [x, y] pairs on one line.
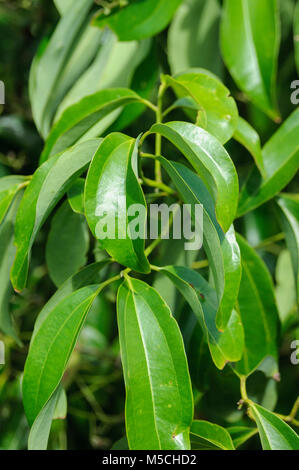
[[218, 112], [224, 346], [281, 162], [111, 188], [7, 253], [296, 34], [221, 249], [52, 67], [78, 119], [193, 38], [274, 433], [76, 196], [289, 205], [139, 19], [241, 434], [9, 186], [66, 254], [40, 430], [209, 436], [48, 185], [51, 347], [250, 38], [258, 311], [159, 397], [249, 138], [211, 162]]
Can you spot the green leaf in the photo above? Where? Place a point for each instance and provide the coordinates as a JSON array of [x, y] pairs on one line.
[[159, 396], [51, 347], [10, 185], [121, 444], [211, 162], [144, 82], [218, 112], [193, 38], [78, 119], [258, 311], [250, 38], [113, 67], [241, 434], [249, 138], [48, 185], [66, 254], [52, 67], [111, 188], [76, 196], [63, 5], [274, 433], [221, 249], [285, 290], [40, 431], [224, 346], [289, 215], [209, 436], [7, 253], [140, 19], [296, 35], [87, 275], [281, 162]]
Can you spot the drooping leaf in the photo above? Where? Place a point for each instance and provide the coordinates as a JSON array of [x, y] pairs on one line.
[[76, 122], [66, 254], [9, 186], [40, 431], [51, 347], [193, 37], [289, 205], [139, 19], [7, 253], [281, 162], [52, 66], [274, 433], [250, 38], [48, 185], [111, 190], [221, 249], [209, 436], [258, 311], [218, 113], [224, 346], [241, 434], [76, 196], [159, 397], [249, 138], [211, 162]]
